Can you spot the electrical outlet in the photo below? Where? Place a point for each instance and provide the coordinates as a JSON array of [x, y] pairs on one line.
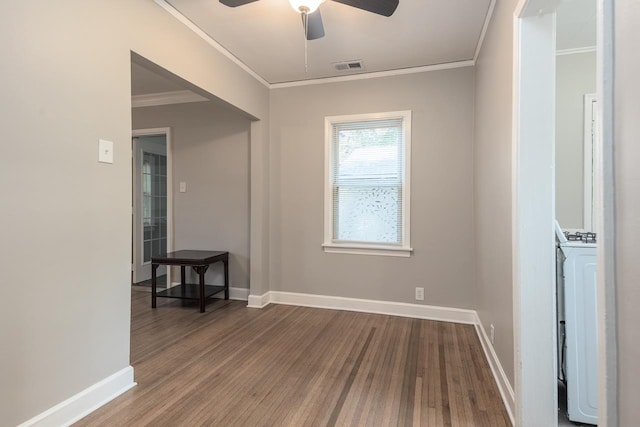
[[493, 333], [420, 294]]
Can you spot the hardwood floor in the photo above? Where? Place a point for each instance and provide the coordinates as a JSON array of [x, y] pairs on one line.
[[296, 366]]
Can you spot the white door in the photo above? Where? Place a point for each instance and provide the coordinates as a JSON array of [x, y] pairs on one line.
[[150, 204]]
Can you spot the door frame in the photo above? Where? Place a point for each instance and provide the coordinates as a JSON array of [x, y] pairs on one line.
[[533, 210], [166, 131], [589, 135], [533, 214]]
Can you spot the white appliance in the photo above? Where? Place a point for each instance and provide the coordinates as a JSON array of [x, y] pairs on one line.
[[577, 299]]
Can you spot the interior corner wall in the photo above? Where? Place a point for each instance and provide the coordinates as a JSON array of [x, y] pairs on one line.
[[575, 77], [210, 148], [66, 219], [492, 165], [627, 206], [441, 190]]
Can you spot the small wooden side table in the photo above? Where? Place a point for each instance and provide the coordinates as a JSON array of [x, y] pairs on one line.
[[200, 261]]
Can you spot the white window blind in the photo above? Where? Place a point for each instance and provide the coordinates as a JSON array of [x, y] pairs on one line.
[[368, 181]]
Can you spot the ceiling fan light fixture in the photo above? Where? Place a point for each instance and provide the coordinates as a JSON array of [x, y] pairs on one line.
[[307, 6]]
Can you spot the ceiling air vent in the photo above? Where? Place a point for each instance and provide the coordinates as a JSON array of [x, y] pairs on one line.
[[349, 66]]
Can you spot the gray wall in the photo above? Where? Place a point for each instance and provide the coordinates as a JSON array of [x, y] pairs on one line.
[[441, 190], [575, 77], [66, 221], [492, 179], [627, 205], [210, 147], [66, 218]]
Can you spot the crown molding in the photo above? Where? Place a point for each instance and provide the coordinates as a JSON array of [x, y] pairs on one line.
[[375, 75], [585, 49], [487, 20], [207, 38], [166, 98]]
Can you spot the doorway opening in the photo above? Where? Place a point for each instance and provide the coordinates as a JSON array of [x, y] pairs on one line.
[[152, 204], [534, 214]]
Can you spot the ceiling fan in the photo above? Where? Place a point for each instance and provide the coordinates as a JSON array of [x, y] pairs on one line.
[[311, 18]]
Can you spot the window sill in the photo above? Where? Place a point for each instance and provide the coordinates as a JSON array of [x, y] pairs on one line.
[[353, 249]]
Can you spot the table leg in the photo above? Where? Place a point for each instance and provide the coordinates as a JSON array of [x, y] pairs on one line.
[[201, 271], [154, 267], [183, 279], [226, 278]]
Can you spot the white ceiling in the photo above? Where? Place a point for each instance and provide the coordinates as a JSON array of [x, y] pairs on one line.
[[145, 82], [267, 35]]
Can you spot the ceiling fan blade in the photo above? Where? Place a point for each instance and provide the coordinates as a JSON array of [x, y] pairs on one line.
[[381, 7], [315, 28], [236, 3]]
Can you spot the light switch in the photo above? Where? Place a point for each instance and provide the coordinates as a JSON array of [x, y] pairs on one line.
[[183, 187], [105, 151]]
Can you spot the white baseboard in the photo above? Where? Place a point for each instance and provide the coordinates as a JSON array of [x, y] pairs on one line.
[[418, 311], [88, 400], [504, 386], [239, 294], [259, 301]]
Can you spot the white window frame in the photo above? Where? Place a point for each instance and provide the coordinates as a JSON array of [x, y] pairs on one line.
[[356, 248]]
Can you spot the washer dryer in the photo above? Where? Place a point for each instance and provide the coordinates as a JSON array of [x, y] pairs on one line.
[[578, 299]]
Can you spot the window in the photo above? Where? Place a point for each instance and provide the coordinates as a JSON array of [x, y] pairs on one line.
[[367, 167]]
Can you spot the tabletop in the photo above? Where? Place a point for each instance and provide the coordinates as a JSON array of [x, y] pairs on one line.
[[187, 257]]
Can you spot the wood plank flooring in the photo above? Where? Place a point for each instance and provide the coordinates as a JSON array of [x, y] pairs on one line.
[[296, 366]]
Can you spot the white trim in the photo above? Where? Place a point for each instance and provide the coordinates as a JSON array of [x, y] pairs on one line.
[[259, 301], [207, 38], [487, 20], [606, 218], [504, 386], [166, 98], [335, 248], [88, 400], [375, 74], [533, 211], [329, 245], [417, 311], [588, 136], [236, 294], [576, 50]]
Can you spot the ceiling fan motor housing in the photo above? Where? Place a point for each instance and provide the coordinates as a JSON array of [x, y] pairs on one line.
[[305, 6], [311, 18]]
